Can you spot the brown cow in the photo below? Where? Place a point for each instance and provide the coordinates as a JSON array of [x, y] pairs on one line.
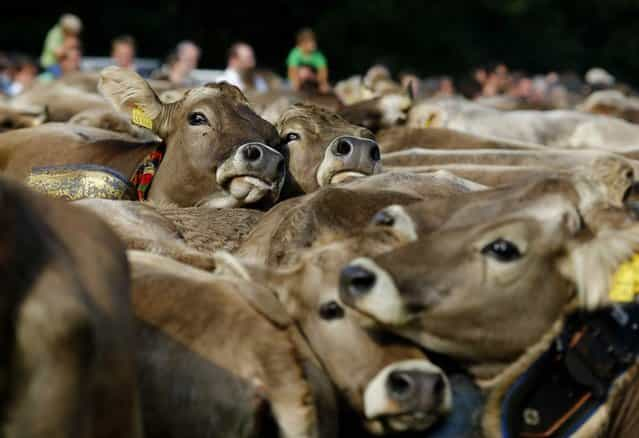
[[335, 213], [188, 235], [402, 137], [391, 385], [462, 289], [67, 368], [379, 112], [218, 152], [225, 345], [62, 101], [322, 148], [12, 117], [614, 179]]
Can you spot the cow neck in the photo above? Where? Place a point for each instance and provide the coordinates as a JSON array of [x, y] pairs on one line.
[[145, 172]]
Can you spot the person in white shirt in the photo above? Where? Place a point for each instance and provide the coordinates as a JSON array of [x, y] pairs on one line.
[[123, 52], [240, 70]]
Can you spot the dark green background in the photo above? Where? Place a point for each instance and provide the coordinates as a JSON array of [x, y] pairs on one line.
[[429, 37]]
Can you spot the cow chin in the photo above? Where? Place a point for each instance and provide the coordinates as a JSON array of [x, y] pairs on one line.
[[243, 190]]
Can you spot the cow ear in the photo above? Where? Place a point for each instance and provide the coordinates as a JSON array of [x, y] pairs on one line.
[[132, 95], [410, 90], [594, 265], [277, 281]]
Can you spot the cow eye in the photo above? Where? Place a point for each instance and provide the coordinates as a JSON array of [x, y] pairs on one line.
[[502, 250], [196, 119], [291, 136], [331, 310]]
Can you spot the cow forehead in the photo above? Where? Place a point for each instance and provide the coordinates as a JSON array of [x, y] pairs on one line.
[[318, 121], [202, 94], [551, 213]]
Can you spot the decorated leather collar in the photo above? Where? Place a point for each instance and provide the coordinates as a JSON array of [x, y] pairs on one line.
[[143, 176]]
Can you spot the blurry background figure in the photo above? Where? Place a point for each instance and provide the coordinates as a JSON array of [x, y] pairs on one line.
[[25, 71], [180, 66], [306, 64], [123, 52], [410, 81], [599, 79], [240, 70], [5, 79], [69, 26], [446, 87], [470, 85], [69, 62]]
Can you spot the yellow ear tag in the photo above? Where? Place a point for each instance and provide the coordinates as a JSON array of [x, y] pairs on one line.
[[429, 121], [138, 117], [625, 282]]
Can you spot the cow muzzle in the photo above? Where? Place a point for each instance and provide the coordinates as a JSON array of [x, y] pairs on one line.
[[370, 290], [396, 218], [407, 396], [349, 157], [253, 173]]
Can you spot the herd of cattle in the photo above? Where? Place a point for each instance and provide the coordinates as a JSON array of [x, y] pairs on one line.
[[291, 265]]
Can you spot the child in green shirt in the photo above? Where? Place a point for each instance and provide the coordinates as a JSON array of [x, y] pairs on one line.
[[68, 26], [306, 63]]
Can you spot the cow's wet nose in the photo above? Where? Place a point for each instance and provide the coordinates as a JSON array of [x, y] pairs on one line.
[[251, 152], [356, 281], [421, 390], [261, 160], [360, 151]]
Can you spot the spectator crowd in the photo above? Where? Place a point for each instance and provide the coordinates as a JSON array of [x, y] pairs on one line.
[[494, 84]]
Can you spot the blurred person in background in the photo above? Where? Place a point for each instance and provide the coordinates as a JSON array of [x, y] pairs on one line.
[[306, 64], [69, 26], [180, 65], [123, 52], [5, 78], [446, 87], [410, 81], [25, 72], [240, 70], [69, 62]]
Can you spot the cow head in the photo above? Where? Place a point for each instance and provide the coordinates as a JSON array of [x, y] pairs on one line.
[[324, 149], [391, 383], [219, 153], [380, 112], [495, 276]]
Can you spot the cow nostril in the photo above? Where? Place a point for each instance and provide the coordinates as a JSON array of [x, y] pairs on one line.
[[252, 153], [399, 385], [375, 154], [383, 218], [357, 280], [343, 147]]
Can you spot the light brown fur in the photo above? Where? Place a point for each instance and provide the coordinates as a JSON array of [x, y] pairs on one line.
[[210, 317], [67, 336]]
